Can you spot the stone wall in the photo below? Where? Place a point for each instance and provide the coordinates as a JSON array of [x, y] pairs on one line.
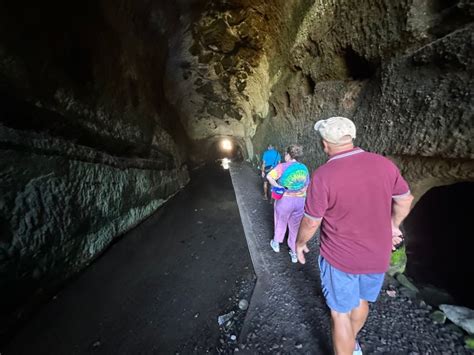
[[102, 101], [400, 71], [89, 145], [221, 62], [265, 71]]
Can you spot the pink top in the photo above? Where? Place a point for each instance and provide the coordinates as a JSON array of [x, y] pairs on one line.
[[352, 194]]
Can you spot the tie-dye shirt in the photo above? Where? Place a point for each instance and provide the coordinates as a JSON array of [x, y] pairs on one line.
[[292, 175]]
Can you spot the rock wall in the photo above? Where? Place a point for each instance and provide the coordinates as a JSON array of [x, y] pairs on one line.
[[102, 101], [221, 64], [400, 70], [89, 145], [265, 71]]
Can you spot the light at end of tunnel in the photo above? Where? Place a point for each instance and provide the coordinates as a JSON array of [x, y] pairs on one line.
[[225, 163], [226, 145]]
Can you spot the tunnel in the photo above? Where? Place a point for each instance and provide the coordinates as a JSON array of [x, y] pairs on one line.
[[131, 142], [438, 247], [218, 148]]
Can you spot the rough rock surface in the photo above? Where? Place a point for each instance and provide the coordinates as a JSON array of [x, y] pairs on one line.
[[108, 106], [409, 98], [88, 143], [264, 71], [461, 316]]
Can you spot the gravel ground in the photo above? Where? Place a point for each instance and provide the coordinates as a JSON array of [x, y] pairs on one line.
[[288, 314]]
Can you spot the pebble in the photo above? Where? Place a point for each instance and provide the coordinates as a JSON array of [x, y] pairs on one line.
[[243, 304]]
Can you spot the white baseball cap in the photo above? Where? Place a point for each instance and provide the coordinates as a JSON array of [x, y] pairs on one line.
[[336, 129]]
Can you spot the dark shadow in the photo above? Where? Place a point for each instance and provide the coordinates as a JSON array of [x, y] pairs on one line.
[[308, 85], [439, 240], [359, 68]]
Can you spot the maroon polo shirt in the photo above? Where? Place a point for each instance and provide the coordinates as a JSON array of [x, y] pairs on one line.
[[352, 193]]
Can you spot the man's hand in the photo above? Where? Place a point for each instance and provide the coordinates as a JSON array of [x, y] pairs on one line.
[[396, 241], [397, 237], [300, 251], [308, 227], [400, 209], [396, 231], [263, 174]]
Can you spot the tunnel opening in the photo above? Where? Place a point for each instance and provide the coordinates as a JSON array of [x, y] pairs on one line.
[[439, 241], [225, 148], [358, 67]]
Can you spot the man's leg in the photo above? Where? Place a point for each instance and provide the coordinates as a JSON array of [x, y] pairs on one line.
[[359, 316], [343, 339], [265, 190], [341, 291]]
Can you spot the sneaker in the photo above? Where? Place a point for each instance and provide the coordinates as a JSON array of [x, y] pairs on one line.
[[294, 258], [275, 246], [357, 349]]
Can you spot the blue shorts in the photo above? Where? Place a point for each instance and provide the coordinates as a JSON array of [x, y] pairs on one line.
[[343, 291]]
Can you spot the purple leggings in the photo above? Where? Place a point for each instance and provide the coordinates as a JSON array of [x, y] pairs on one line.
[[288, 212]]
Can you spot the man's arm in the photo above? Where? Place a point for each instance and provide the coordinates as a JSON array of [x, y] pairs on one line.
[[400, 209], [308, 228]]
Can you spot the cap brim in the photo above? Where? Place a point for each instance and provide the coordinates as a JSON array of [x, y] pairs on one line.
[[318, 125]]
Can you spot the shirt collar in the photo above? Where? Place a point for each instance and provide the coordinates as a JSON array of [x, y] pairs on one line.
[[346, 153]]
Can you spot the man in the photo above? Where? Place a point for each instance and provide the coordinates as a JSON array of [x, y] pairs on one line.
[[359, 199], [270, 159]]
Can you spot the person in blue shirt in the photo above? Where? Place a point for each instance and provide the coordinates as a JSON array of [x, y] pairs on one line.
[[270, 159]]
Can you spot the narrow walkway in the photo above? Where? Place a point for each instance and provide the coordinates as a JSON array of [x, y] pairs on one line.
[[287, 312], [158, 290]]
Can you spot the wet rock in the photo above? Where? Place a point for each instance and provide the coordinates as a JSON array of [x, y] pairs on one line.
[[438, 317], [243, 304], [406, 292], [406, 283], [461, 316], [222, 319], [435, 296]]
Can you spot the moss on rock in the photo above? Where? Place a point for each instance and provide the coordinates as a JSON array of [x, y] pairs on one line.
[[398, 262]]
